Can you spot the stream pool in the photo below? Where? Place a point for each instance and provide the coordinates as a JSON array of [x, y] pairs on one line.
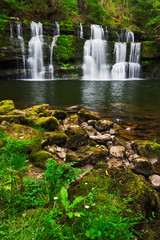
[[133, 103]]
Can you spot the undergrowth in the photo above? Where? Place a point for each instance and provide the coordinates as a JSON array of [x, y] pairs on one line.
[[41, 208]]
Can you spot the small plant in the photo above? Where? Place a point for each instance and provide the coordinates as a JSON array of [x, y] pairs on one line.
[[154, 142], [59, 175], [69, 207]]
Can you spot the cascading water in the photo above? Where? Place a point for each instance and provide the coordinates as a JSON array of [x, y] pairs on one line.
[[134, 58], [35, 59], [123, 69], [81, 31], [51, 68], [20, 37], [94, 62], [11, 31]]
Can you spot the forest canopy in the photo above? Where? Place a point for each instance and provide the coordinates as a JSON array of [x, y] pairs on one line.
[[141, 15]]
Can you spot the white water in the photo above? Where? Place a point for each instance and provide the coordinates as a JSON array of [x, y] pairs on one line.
[[21, 40], [51, 67], [35, 47], [124, 69], [94, 62], [11, 31], [81, 31]]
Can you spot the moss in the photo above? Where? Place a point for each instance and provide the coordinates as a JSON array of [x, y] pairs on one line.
[[48, 123], [6, 106], [85, 115], [58, 138], [35, 110], [67, 51], [142, 199], [146, 148], [60, 114], [13, 118], [86, 155], [39, 158], [77, 137], [13, 130], [150, 49]]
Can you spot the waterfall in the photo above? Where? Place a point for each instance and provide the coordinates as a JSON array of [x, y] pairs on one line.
[[51, 68], [11, 30], [120, 67], [81, 31], [35, 46], [21, 40], [123, 69], [94, 62], [134, 58]]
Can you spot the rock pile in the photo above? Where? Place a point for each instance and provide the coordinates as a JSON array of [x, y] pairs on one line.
[[78, 136]]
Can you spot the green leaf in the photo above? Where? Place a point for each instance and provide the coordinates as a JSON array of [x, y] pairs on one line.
[[64, 196], [76, 201]]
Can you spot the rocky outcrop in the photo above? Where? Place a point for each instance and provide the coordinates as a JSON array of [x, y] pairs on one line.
[[82, 138]]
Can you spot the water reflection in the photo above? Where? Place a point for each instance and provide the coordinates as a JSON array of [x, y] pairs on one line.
[[131, 101]]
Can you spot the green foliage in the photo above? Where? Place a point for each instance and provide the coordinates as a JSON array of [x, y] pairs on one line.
[[70, 8], [17, 5], [2, 22], [59, 175], [69, 207]]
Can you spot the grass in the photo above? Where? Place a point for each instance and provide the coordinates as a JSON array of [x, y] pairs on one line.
[[42, 209]]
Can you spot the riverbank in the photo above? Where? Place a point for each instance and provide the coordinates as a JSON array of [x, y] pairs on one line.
[[77, 139]]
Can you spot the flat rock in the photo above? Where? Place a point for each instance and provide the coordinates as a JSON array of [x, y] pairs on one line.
[[117, 151], [155, 180]]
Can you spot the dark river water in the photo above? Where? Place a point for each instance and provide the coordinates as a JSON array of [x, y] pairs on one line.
[[135, 104]]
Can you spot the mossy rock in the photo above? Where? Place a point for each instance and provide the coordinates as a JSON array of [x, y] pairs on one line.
[[87, 155], [48, 123], [13, 130], [76, 137], [146, 148], [39, 158], [59, 138], [71, 121], [150, 49], [85, 115], [20, 119], [60, 114], [36, 110], [68, 49], [143, 200], [6, 106]]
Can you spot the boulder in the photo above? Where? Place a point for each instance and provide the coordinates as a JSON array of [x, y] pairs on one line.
[[59, 138], [142, 199], [85, 115], [117, 151], [6, 106], [103, 125], [70, 122], [40, 158], [146, 148], [87, 155], [76, 137], [91, 131], [142, 166], [101, 139], [48, 123], [36, 110], [114, 162]]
